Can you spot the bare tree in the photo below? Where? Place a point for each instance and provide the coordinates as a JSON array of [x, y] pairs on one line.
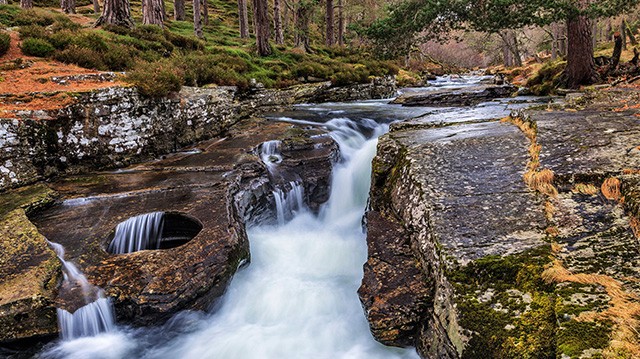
[[277, 22], [68, 6], [340, 22], [243, 18], [179, 13], [116, 12], [26, 4], [554, 42], [197, 19], [331, 35], [261, 19], [153, 12], [205, 8], [96, 6]]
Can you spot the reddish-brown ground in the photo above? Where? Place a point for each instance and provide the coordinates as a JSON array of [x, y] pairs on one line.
[[36, 77]]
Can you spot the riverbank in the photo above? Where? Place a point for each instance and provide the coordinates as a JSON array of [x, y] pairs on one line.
[[522, 230]]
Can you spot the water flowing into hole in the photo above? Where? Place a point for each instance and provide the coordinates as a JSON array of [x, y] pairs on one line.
[[289, 201], [93, 312], [138, 233]]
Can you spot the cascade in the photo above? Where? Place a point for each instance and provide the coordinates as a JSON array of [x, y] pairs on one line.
[[270, 154], [96, 313], [138, 233], [289, 202]]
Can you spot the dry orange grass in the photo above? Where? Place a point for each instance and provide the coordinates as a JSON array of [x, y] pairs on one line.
[[624, 311], [541, 181], [549, 210], [611, 188], [585, 189]]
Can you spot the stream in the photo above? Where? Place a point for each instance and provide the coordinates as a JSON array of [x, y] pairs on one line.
[[297, 298]]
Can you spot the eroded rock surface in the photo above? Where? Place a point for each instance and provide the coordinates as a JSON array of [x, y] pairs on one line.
[[507, 271], [460, 97], [221, 183]]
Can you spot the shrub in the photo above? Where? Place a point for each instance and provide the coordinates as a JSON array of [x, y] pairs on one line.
[[156, 79], [5, 43], [91, 40], [60, 40], [184, 42], [81, 56], [32, 17], [119, 57], [36, 47], [34, 31]]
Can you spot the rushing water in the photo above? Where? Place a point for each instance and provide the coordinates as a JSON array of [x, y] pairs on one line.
[[138, 233], [298, 297]]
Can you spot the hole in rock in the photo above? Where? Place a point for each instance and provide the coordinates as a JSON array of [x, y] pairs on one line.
[[157, 230]]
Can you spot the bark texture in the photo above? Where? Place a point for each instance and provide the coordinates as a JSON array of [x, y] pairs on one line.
[[554, 42], [116, 12], [96, 6], [197, 19], [277, 22], [581, 69], [68, 6], [340, 23], [153, 12], [205, 8], [179, 12], [261, 17], [331, 34], [243, 19], [26, 4]]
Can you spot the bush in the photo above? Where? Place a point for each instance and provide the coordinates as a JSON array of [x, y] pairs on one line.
[[60, 40], [91, 40], [36, 47], [5, 43], [81, 56], [156, 79], [32, 17], [119, 58], [34, 31]]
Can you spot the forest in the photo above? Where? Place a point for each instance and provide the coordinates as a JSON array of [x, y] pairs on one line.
[[163, 45]]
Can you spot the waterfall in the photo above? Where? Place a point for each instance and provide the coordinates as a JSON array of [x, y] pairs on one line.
[[138, 233], [96, 314], [289, 202], [270, 154]]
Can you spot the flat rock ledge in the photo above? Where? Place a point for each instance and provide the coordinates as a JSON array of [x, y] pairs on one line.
[[460, 97], [221, 183], [467, 261]]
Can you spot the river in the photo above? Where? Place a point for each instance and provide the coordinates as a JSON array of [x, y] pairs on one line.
[[297, 298]]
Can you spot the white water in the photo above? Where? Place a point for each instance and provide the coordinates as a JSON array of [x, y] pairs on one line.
[[270, 154], [95, 317], [289, 202], [138, 233]]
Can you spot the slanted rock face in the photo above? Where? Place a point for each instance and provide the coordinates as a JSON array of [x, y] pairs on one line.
[[461, 97], [510, 272]]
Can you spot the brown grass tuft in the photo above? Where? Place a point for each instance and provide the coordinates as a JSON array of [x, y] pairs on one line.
[[541, 181], [585, 189], [611, 188]]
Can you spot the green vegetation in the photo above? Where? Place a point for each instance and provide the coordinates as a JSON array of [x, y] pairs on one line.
[[5, 43], [159, 61], [547, 79], [575, 337], [506, 325]]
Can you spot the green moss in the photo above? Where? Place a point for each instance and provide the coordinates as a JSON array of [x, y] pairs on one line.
[[29, 198], [574, 337]]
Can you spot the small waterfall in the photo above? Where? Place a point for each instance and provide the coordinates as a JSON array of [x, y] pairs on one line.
[[270, 154], [96, 313], [289, 202], [138, 233]]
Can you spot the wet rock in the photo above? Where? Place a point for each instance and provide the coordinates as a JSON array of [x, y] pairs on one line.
[[459, 194], [28, 267], [461, 97], [220, 183]]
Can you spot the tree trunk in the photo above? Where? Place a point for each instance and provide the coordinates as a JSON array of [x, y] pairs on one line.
[[152, 12], [581, 69], [632, 38], [205, 8], [594, 33], [331, 34], [68, 6], [623, 33], [617, 51], [243, 19], [26, 4], [261, 19], [96, 6], [277, 22], [197, 19], [302, 26], [340, 23], [179, 13], [609, 30], [116, 12], [3, 2], [554, 42]]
